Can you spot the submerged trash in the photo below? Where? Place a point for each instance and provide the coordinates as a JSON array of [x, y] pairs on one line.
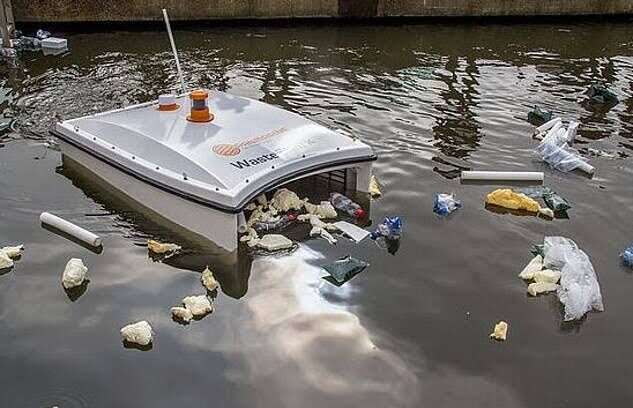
[[5, 261], [198, 305], [323, 210], [445, 204], [500, 331], [507, 198], [600, 94], [345, 204], [274, 225], [374, 188], [162, 249], [539, 116], [137, 333], [579, 289], [351, 230], [627, 256], [74, 274], [285, 200], [273, 242], [537, 288], [345, 269], [13, 251], [535, 265], [208, 280], [181, 313]]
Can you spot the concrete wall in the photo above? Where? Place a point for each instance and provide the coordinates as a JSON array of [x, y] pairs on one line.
[[148, 10]]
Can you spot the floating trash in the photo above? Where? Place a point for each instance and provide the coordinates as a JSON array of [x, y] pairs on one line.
[[137, 333], [13, 251], [600, 94], [181, 314], [198, 305], [272, 242], [354, 232], [5, 261], [445, 204], [163, 249], [322, 232], [285, 200], [507, 198], [344, 269], [323, 210], [627, 256], [500, 331], [536, 288], [374, 188], [208, 280], [535, 265], [74, 274], [539, 116], [345, 204]]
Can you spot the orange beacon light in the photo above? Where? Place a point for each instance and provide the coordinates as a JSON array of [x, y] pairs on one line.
[[199, 107]]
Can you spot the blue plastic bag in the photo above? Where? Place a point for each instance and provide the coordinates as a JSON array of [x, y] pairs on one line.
[[445, 204], [390, 228], [627, 256]]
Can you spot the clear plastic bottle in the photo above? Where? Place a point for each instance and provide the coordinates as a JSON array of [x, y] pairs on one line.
[[275, 225], [340, 202]]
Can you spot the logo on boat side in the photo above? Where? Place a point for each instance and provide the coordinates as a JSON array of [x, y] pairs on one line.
[[233, 149]]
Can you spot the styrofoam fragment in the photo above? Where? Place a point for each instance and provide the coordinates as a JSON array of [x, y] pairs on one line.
[[199, 305], [137, 333], [541, 287], [323, 210], [547, 275], [531, 268], [74, 273], [13, 251], [162, 248], [5, 261], [320, 232], [285, 200], [182, 313], [274, 242], [208, 280]]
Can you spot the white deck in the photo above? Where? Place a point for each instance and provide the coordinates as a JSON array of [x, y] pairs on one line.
[[249, 147]]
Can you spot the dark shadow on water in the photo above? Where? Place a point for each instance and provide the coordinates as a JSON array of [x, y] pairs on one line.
[[502, 210], [135, 346], [76, 292]]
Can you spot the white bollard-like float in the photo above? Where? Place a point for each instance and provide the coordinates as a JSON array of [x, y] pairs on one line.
[[71, 229]]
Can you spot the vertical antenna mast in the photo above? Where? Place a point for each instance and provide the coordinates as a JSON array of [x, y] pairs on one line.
[[173, 49]]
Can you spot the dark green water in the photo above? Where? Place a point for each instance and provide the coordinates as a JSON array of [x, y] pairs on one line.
[[410, 331]]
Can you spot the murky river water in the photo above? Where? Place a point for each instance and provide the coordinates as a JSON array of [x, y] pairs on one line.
[[412, 330]]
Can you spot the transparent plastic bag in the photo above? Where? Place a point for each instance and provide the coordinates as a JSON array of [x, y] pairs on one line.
[[445, 204]]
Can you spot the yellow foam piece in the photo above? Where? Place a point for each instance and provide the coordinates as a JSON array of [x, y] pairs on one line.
[[500, 331], [505, 197]]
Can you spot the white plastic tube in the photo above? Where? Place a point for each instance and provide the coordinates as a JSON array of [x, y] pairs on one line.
[[587, 168], [241, 223], [71, 229], [503, 175]]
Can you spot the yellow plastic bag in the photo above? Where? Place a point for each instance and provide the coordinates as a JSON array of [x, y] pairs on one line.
[[505, 197]]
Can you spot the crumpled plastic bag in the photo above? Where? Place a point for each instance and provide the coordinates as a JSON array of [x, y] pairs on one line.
[[600, 94], [627, 256], [323, 210], [137, 333], [345, 269], [74, 274], [198, 305], [554, 201], [555, 151], [505, 197], [579, 289], [285, 200], [208, 280], [445, 204], [539, 116]]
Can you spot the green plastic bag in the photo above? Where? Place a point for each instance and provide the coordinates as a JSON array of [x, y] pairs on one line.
[[344, 269], [557, 203], [599, 94], [538, 116]]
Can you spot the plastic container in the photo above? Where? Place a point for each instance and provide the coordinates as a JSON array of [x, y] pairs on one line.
[[54, 42], [345, 204]]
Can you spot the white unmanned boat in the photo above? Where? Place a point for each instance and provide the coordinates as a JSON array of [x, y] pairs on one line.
[[198, 161]]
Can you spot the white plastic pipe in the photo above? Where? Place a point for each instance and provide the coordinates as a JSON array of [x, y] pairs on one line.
[[241, 222], [71, 229], [503, 175], [175, 51]]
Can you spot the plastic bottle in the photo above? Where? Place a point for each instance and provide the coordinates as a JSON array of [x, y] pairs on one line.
[[275, 225], [340, 202]]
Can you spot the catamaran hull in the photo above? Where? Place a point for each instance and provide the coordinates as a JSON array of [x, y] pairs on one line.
[[217, 226]]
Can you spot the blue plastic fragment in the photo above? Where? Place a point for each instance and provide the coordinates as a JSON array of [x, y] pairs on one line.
[[627, 256], [390, 227], [445, 204]]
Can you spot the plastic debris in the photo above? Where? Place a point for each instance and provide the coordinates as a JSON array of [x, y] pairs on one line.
[[42, 34], [389, 228], [71, 229], [502, 175], [285, 200], [546, 213], [181, 313], [555, 151], [74, 273], [137, 333], [5, 261], [250, 207], [8, 52], [539, 116], [31, 43], [535, 265], [536, 288], [445, 204], [351, 230], [13, 251], [579, 289], [345, 204], [322, 232], [262, 200], [374, 188], [198, 305], [600, 94], [273, 242], [279, 224], [345, 268], [627, 256], [162, 249], [507, 198], [500, 331], [316, 222], [547, 276], [208, 280], [540, 131], [323, 210], [250, 236], [554, 201]]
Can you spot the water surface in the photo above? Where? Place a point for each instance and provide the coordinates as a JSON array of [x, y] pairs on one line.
[[412, 330]]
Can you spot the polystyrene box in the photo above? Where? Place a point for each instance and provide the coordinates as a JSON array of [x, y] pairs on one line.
[[54, 42]]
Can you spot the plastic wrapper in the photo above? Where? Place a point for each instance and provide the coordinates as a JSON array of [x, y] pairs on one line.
[[445, 204], [535, 289], [390, 227], [554, 201], [181, 313], [555, 151], [579, 289], [345, 269], [74, 274], [627, 256], [208, 280], [198, 305], [539, 116], [507, 198], [500, 331], [137, 333]]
